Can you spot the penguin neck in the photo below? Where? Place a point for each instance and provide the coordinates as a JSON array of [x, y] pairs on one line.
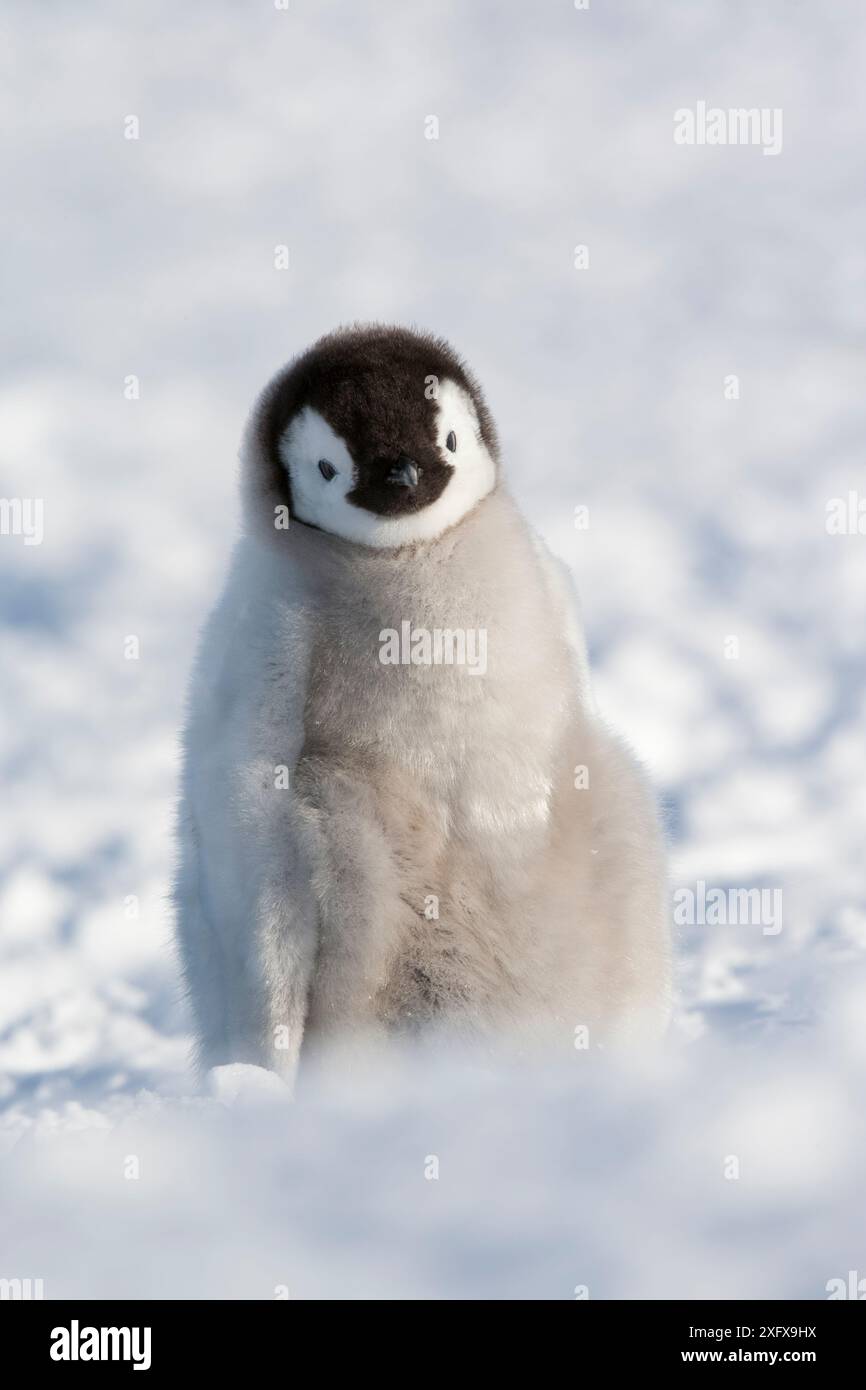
[[487, 554], [471, 544]]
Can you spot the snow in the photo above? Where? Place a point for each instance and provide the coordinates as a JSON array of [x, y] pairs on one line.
[[155, 259]]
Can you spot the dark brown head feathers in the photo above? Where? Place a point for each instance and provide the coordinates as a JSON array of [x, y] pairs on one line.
[[376, 387]]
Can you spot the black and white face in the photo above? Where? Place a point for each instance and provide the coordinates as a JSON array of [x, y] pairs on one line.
[[396, 497], [378, 444]]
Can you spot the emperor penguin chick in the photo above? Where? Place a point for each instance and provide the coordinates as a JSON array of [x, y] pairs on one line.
[[399, 808]]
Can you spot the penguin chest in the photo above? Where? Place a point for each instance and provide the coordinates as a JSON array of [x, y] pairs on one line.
[[457, 773], [453, 754]]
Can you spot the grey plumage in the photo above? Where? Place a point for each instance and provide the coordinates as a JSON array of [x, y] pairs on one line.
[[369, 847]]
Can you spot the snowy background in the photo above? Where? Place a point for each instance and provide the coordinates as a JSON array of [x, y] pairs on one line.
[[154, 258]]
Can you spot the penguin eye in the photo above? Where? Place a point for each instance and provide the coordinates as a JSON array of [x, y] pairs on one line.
[[451, 442], [327, 470]]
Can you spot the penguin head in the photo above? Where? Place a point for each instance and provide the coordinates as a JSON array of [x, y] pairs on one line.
[[378, 435]]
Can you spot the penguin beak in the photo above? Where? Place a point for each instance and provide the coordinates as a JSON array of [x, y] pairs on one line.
[[404, 473]]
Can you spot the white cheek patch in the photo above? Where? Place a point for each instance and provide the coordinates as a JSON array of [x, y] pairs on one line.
[[323, 503], [474, 469], [308, 439]]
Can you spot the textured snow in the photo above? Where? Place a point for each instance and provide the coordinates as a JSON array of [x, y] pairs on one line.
[[155, 258]]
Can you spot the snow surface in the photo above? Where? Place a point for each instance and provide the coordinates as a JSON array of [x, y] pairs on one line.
[[155, 258]]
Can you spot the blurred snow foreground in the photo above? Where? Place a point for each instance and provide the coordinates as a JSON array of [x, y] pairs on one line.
[[707, 1172], [678, 412]]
